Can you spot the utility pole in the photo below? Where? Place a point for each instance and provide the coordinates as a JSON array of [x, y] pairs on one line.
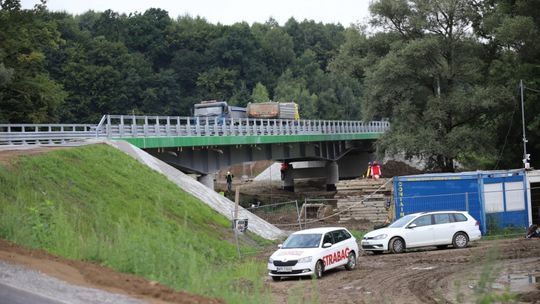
[[526, 157]]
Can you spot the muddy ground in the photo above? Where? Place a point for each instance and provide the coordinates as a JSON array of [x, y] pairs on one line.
[[427, 276], [422, 276]]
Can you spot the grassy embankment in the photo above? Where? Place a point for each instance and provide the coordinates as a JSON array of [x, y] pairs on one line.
[[97, 204]]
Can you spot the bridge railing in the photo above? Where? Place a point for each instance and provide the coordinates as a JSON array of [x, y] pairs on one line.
[[124, 126], [44, 134], [120, 126]]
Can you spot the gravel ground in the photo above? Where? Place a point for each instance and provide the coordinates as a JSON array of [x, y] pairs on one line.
[[37, 283]]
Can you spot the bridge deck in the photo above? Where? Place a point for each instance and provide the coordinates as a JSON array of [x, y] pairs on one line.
[[167, 131]]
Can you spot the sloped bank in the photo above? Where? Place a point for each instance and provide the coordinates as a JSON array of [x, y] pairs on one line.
[[97, 204]]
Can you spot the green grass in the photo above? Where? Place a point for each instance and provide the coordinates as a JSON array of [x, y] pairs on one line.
[[358, 234], [506, 233], [97, 204]]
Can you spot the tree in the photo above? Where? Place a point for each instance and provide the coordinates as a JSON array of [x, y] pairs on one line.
[[431, 83], [6, 74], [290, 89], [241, 96], [10, 5], [148, 34], [217, 83], [31, 96], [260, 93], [511, 28]]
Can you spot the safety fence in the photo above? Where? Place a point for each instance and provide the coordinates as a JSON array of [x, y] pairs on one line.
[[317, 212], [496, 211]]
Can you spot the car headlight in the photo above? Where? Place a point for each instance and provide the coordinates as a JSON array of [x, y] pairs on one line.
[[305, 260], [270, 261], [380, 237]]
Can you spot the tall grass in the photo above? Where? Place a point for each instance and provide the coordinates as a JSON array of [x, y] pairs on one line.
[[97, 204]]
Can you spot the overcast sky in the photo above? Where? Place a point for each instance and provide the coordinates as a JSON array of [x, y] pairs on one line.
[[228, 11]]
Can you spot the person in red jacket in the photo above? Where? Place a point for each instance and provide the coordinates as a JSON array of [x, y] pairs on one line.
[[376, 170]]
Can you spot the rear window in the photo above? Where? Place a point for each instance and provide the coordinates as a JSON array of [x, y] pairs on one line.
[[442, 218], [459, 217], [340, 235]]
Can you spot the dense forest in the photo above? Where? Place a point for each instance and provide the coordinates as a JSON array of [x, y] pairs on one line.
[[445, 72]]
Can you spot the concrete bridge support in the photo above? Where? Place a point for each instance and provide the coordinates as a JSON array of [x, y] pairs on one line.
[[288, 179], [207, 180], [332, 175]]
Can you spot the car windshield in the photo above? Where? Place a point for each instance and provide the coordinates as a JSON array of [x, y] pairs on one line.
[[311, 240], [402, 221]]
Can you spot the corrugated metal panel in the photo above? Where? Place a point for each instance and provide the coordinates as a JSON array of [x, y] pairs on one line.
[[466, 191]]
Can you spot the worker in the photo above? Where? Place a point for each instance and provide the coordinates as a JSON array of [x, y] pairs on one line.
[[284, 167], [229, 178], [368, 172], [376, 170]]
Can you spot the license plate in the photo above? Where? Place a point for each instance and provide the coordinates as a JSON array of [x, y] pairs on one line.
[[366, 243], [284, 268]]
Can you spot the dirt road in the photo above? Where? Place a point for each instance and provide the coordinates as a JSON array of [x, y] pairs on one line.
[[427, 276]]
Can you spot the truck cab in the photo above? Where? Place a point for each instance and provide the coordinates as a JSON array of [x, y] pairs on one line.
[[218, 109]]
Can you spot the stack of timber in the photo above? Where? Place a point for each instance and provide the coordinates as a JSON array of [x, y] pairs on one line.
[[357, 200]]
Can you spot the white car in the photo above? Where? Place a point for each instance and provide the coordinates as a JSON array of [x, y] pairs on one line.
[[439, 228], [312, 251]]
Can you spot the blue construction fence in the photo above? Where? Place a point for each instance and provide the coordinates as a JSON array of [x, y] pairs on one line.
[[496, 199]]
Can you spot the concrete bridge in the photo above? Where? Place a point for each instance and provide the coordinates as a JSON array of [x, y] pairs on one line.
[[204, 146]]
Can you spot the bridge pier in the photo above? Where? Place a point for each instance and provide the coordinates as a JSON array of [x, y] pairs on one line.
[[332, 175], [207, 180], [288, 179]]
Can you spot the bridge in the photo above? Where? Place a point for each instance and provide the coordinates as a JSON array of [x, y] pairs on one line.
[[206, 145]]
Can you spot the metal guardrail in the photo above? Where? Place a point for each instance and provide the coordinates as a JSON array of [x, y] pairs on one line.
[[125, 126], [157, 126], [44, 134]]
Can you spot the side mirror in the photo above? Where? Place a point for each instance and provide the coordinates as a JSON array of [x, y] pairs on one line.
[[327, 245], [411, 226], [280, 245]]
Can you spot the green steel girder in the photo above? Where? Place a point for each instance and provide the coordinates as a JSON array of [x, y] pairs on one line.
[[197, 141]]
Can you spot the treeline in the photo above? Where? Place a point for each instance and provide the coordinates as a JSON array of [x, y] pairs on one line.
[[444, 72], [59, 67]]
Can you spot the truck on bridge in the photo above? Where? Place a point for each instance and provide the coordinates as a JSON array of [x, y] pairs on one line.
[[222, 110], [218, 109], [277, 110]]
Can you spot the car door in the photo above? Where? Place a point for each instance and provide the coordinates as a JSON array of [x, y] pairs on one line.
[[444, 228], [339, 249], [326, 253], [420, 232]]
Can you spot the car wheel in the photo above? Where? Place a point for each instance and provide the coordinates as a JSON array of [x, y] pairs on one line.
[[351, 261], [319, 269], [276, 278], [376, 252], [397, 245], [460, 240], [442, 247]]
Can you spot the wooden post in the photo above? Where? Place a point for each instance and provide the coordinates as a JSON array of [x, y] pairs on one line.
[[236, 201]]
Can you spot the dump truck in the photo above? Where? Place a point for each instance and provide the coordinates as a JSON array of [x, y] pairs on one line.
[[218, 109], [274, 110]]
